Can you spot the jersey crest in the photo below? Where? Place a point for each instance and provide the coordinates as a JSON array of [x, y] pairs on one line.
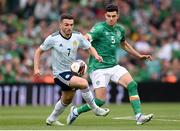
[[75, 44], [118, 33], [107, 33]]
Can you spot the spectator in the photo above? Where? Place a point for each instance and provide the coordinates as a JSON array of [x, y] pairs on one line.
[[153, 25]]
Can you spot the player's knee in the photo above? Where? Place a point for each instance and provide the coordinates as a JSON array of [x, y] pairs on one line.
[[84, 84], [66, 99], [132, 88], [132, 85], [101, 93]]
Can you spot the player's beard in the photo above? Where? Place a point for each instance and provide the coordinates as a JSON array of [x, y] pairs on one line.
[[68, 32], [111, 22]]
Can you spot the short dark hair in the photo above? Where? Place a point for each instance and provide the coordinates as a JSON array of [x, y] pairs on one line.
[[66, 16], [111, 8]]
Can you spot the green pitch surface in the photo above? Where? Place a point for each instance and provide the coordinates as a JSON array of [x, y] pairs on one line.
[[167, 117]]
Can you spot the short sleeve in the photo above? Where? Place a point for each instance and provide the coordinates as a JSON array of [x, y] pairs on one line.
[[47, 44], [123, 34], [85, 44], [95, 32]]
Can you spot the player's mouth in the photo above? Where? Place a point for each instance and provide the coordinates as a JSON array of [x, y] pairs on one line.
[[111, 22], [69, 31]]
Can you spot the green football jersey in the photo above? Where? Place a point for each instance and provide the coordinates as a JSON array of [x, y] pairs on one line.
[[105, 39]]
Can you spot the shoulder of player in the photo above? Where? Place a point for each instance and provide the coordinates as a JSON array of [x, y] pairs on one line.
[[99, 25], [55, 34], [76, 32], [119, 26], [52, 37]]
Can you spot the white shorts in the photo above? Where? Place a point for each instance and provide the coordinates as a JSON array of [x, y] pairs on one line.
[[101, 77]]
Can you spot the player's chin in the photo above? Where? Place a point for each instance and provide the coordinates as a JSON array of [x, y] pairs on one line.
[[69, 32], [111, 23]]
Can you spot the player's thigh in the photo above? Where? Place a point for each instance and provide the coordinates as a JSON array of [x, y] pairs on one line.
[[78, 82], [63, 81], [100, 78], [121, 75], [67, 96]]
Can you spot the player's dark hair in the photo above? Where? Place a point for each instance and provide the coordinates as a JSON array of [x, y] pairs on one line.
[[66, 16], [111, 8]]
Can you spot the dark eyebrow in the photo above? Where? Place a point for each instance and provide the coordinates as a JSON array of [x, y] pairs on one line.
[[111, 15], [68, 24]]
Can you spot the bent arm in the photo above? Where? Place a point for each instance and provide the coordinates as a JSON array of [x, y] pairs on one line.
[[88, 37], [128, 48], [94, 53], [37, 56]]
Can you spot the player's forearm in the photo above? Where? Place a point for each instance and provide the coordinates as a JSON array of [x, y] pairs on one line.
[[37, 55], [87, 37], [92, 51], [128, 48]]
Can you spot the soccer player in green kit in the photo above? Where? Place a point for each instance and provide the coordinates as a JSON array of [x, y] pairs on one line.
[[106, 37]]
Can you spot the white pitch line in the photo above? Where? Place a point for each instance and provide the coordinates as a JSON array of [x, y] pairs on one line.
[[131, 118], [21, 117]]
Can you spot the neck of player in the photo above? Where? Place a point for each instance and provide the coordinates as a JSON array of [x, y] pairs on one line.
[[65, 35]]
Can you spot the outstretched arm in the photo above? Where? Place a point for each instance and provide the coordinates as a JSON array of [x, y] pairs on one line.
[[128, 48], [37, 56]]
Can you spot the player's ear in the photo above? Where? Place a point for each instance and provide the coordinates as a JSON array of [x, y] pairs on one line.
[[117, 15], [60, 24], [105, 15]]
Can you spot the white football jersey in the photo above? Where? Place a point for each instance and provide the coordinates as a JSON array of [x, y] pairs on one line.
[[63, 50]]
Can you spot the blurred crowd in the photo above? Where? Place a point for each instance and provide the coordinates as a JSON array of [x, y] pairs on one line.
[[152, 27]]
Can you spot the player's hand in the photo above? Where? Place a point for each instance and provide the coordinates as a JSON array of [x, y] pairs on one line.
[[99, 58], [37, 78], [37, 73], [146, 57]]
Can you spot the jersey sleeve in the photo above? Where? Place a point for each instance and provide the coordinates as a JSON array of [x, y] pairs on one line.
[[123, 34], [95, 32], [85, 44], [47, 44]]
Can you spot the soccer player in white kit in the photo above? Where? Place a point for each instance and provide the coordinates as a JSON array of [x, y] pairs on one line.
[[64, 45]]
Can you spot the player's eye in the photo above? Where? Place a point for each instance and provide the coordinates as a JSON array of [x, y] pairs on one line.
[[68, 24], [111, 16]]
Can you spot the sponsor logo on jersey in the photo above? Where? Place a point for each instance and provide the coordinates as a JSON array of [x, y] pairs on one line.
[[60, 45], [107, 33]]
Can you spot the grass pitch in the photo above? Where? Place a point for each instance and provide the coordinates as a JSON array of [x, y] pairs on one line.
[[167, 117]]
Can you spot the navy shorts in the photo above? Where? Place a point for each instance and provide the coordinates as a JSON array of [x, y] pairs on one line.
[[63, 80]]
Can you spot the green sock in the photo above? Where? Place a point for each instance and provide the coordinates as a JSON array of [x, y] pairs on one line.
[[133, 93], [86, 107]]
